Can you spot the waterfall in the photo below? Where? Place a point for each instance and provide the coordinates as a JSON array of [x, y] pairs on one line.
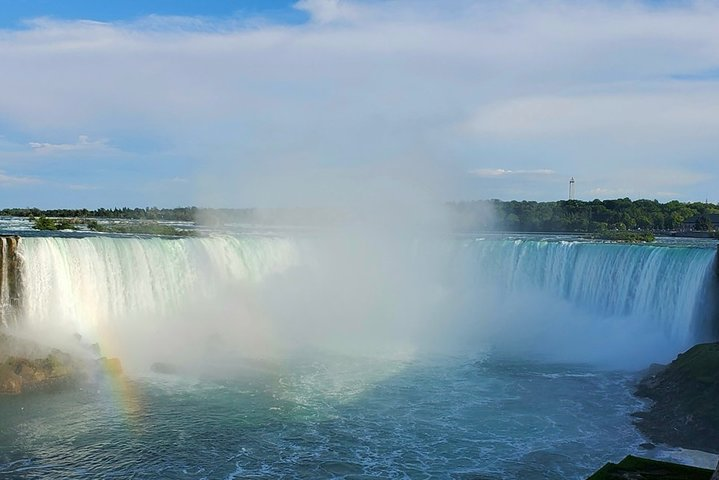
[[83, 283], [651, 288], [476, 290]]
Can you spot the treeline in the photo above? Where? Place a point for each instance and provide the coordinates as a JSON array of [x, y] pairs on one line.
[[204, 216], [581, 216], [525, 216], [180, 214]]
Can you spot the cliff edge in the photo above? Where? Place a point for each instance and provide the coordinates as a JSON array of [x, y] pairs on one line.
[[685, 395]]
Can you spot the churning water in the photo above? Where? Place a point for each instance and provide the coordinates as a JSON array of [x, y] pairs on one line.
[[348, 357]]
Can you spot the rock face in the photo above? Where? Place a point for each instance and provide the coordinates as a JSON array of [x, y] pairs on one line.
[[111, 366], [22, 375], [636, 468], [10, 280], [685, 412], [26, 366], [10, 382]]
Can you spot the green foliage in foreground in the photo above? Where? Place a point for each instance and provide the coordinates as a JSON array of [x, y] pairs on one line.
[[144, 228], [44, 223], [140, 229], [625, 236]]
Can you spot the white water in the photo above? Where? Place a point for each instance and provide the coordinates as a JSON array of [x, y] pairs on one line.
[[148, 293], [614, 303], [574, 301], [491, 414]]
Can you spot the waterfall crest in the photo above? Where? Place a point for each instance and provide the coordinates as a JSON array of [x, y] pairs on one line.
[[82, 283], [473, 291]]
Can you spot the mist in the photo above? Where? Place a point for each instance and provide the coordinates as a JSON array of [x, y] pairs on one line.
[[383, 287]]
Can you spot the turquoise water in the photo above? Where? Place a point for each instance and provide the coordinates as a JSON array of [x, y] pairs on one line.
[[328, 417], [348, 356]]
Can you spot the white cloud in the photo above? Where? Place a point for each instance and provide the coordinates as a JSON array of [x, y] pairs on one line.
[[563, 86], [83, 144], [677, 111], [326, 11], [80, 187], [16, 181], [501, 172]]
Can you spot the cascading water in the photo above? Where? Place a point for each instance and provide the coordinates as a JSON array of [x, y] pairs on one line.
[[87, 285], [83, 284], [324, 414], [658, 288]]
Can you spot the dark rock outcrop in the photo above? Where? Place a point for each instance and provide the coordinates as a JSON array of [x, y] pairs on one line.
[[636, 468], [685, 394], [165, 368], [10, 280]]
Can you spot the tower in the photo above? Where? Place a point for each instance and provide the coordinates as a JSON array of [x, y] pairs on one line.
[[571, 189]]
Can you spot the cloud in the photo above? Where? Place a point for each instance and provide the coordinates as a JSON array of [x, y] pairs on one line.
[[585, 88], [83, 144], [326, 11], [17, 181], [80, 187], [501, 172], [685, 111]]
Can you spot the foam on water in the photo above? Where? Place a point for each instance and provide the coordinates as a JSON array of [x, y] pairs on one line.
[[625, 305], [495, 418], [482, 408]]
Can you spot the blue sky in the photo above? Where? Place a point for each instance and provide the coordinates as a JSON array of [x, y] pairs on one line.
[[15, 12], [337, 102]]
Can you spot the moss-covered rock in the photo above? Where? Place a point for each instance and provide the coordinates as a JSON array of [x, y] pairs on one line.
[[636, 468], [111, 365], [10, 382], [27, 366], [21, 375], [685, 412]]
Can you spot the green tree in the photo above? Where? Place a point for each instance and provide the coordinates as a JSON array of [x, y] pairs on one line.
[[44, 223], [703, 224]]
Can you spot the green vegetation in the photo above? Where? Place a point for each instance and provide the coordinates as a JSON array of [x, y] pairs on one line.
[[703, 224], [180, 214], [684, 410], [597, 216], [646, 469], [579, 216], [202, 216], [45, 223], [150, 228], [624, 236], [147, 228]]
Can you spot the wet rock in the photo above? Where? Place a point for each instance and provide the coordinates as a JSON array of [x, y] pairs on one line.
[[164, 368], [647, 446], [27, 366], [645, 469], [111, 365], [684, 413], [10, 382]]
